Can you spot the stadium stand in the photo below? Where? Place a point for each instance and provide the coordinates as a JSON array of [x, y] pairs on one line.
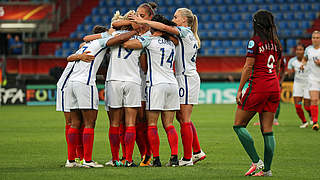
[[224, 20]]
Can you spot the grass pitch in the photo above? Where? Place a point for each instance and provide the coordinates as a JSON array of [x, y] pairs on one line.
[[32, 146]]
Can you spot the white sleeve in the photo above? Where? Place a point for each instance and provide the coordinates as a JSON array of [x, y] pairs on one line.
[[103, 41], [104, 35], [306, 52], [290, 66], [183, 31], [145, 41]]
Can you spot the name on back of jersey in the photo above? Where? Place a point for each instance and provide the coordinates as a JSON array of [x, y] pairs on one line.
[[268, 47]]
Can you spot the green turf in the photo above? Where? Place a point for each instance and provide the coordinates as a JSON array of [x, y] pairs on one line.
[[32, 146]]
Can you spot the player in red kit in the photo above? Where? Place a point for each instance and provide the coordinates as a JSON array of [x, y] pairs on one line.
[[263, 94]]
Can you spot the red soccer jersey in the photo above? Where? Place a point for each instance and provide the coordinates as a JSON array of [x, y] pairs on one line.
[[263, 77]]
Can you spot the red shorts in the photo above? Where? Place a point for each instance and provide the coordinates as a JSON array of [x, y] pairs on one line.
[[260, 102]]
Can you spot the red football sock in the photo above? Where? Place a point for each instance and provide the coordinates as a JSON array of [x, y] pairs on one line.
[[154, 140], [307, 108], [148, 146], [300, 113], [88, 137], [141, 138], [314, 113], [114, 139], [195, 143], [121, 136], [79, 151], [73, 136], [187, 139], [66, 133], [129, 139], [172, 139]]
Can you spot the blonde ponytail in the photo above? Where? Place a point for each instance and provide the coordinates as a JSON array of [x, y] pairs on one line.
[[194, 29], [192, 21]]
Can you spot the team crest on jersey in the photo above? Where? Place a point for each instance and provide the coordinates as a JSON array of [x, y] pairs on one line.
[[251, 44]]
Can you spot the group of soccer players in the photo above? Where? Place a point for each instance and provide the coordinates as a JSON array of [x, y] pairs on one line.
[[306, 66], [140, 86]]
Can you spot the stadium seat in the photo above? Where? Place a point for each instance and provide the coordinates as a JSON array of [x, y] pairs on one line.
[[216, 17], [206, 43], [232, 8], [315, 7], [73, 35], [229, 26], [212, 9], [291, 42], [220, 51], [233, 34], [226, 17], [102, 3], [236, 43], [284, 7], [87, 20], [213, 33], [58, 53], [203, 10], [209, 26], [307, 7], [236, 17], [299, 16], [222, 9], [219, 26], [293, 24], [103, 11], [65, 45], [253, 7], [310, 15], [230, 51], [227, 43], [203, 34], [222, 34], [305, 24], [95, 11], [217, 44], [80, 28]]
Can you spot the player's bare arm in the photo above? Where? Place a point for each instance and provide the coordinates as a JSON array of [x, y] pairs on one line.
[[132, 44], [247, 68], [86, 57], [121, 38], [155, 25]]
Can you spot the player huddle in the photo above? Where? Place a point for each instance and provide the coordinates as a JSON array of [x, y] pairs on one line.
[[152, 72], [141, 84]]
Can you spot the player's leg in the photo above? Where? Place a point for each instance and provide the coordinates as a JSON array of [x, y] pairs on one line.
[[172, 135], [115, 96], [130, 133], [184, 117], [241, 121], [114, 132], [67, 117], [122, 130], [299, 110], [306, 104], [276, 116], [73, 137], [153, 136], [266, 120], [140, 126], [314, 96], [89, 119]]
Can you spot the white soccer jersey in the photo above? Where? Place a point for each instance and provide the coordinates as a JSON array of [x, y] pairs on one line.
[[85, 72], [62, 82], [160, 57], [124, 63], [299, 75], [313, 54], [186, 52]]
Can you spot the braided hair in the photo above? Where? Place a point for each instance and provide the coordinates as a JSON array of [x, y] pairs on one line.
[[264, 27]]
